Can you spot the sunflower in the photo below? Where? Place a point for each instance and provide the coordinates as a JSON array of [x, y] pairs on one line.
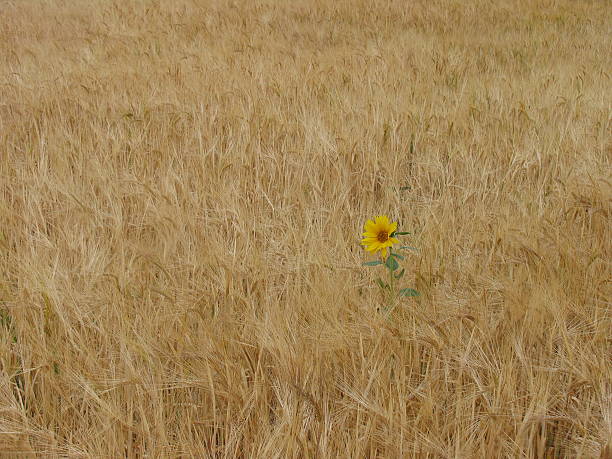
[[378, 235]]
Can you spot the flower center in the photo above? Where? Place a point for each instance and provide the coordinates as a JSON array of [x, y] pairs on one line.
[[383, 236]]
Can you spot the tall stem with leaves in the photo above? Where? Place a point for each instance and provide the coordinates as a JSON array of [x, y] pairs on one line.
[[395, 272]]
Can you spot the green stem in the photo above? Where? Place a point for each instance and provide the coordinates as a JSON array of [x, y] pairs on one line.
[[392, 293], [391, 289]]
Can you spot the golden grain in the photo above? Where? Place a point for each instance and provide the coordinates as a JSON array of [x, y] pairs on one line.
[[169, 170]]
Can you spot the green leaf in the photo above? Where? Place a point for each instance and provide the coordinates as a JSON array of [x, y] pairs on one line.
[[372, 263], [382, 284], [5, 319], [397, 255], [401, 233], [400, 274], [392, 263], [408, 292], [404, 247]]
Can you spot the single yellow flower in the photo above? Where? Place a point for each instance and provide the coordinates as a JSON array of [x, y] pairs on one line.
[[378, 235]]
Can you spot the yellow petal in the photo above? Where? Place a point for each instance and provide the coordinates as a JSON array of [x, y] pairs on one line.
[[393, 227], [394, 240], [368, 234], [384, 252], [369, 225]]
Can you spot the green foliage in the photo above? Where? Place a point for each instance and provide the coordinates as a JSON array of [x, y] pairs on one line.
[[5, 319], [382, 284], [391, 263], [408, 292], [372, 263]]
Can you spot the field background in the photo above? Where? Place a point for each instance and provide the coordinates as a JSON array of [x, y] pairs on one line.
[[183, 187]]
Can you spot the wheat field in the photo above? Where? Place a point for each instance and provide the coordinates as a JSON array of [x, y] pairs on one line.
[[184, 185]]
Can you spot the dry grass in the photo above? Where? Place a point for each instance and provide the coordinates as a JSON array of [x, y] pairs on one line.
[[183, 188]]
